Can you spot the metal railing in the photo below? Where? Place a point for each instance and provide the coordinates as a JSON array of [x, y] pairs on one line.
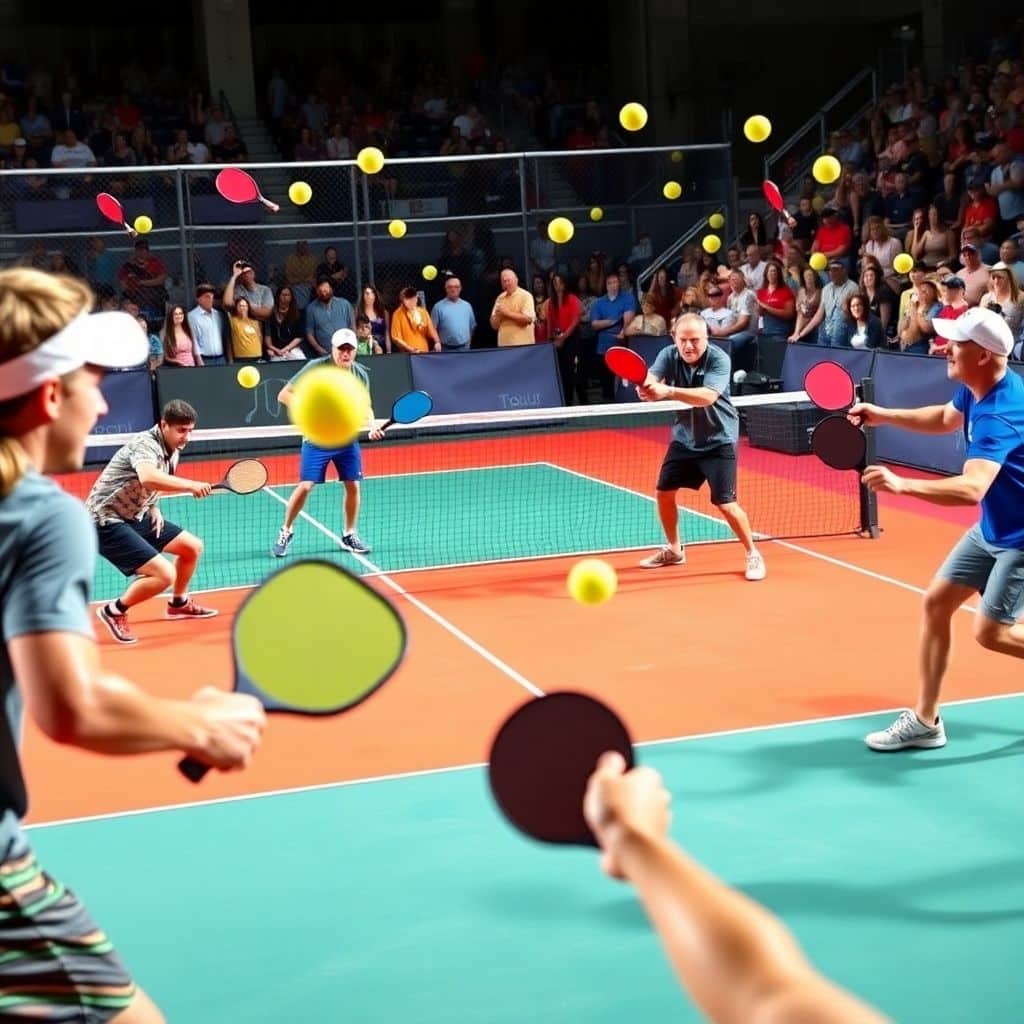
[[791, 160], [466, 214]]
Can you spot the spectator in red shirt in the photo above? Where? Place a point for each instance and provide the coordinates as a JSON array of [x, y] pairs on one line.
[[834, 237], [982, 214]]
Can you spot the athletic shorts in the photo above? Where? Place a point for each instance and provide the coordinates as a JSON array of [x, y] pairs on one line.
[[996, 573], [55, 963], [313, 462], [685, 468], [128, 546]]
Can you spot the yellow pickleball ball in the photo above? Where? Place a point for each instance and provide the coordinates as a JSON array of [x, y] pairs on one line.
[[597, 213], [397, 229], [903, 264], [300, 193], [711, 243], [633, 117], [716, 221], [329, 405], [818, 261], [676, 156], [429, 272], [560, 230], [757, 128], [592, 581], [826, 169], [248, 376], [142, 224], [672, 190], [370, 159]]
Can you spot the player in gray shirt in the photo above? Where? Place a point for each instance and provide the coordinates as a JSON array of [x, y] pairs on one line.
[[704, 438]]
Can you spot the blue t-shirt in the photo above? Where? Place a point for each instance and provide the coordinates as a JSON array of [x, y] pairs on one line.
[[700, 428], [994, 429], [47, 559], [611, 309], [455, 322]]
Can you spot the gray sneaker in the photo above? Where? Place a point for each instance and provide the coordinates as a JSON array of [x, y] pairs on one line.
[[284, 538], [351, 542], [663, 556], [907, 731]]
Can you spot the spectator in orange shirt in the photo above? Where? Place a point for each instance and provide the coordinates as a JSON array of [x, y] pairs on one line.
[[411, 327]]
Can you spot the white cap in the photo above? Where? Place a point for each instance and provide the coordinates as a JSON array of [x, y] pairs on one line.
[[111, 340], [343, 336], [982, 326]]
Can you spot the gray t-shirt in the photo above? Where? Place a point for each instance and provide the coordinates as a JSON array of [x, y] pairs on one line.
[[118, 494], [705, 427], [47, 559]]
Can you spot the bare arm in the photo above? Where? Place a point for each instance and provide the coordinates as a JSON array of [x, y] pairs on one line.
[[966, 489], [155, 480], [929, 419], [75, 702], [739, 962]]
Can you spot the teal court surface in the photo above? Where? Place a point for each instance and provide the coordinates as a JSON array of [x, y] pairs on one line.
[[408, 899]]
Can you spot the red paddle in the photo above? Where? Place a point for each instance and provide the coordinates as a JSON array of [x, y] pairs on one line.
[[238, 187], [542, 758], [112, 209], [829, 386], [774, 197], [627, 364]]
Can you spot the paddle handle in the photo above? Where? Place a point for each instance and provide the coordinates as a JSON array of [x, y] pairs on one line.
[[193, 770], [273, 207]]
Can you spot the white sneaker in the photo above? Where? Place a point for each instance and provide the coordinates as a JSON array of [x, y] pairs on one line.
[[907, 731], [756, 569], [664, 556]]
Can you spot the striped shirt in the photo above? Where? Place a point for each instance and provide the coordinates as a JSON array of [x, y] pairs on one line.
[[118, 494]]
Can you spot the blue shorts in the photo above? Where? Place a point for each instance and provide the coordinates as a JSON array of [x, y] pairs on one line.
[[130, 545], [313, 462], [996, 573]]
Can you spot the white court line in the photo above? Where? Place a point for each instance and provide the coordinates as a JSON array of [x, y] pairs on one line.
[[810, 552], [475, 765], [444, 623]]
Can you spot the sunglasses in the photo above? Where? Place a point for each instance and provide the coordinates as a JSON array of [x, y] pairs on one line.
[[714, 295]]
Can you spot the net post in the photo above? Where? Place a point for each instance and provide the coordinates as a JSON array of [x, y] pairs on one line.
[[868, 499]]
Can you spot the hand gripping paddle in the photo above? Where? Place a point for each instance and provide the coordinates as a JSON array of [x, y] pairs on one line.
[[286, 647], [542, 758]]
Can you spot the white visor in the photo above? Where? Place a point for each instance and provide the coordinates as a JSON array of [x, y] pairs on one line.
[[112, 341]]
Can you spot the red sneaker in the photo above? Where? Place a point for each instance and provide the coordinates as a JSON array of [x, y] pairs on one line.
[[189, 610], [117, 624]]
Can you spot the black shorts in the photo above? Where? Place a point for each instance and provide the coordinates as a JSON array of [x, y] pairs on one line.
[[130, 545], [685, 468]]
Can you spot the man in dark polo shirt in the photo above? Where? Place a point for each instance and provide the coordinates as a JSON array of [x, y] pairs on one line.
[[704, 438]]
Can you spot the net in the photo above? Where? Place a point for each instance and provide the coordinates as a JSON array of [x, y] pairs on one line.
[[496, 487]]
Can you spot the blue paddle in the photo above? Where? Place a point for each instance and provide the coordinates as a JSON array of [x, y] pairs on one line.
[[409, 408]]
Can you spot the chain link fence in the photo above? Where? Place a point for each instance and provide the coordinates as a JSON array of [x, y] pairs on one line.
[[467, 215]]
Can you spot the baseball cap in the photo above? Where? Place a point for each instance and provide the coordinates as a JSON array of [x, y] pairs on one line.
[[968, 247], [342, 337], [954, 282], [982, 326], [111, 341], [20, 141], [836, 263]]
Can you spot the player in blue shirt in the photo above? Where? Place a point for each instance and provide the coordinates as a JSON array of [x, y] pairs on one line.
[[989, 559], [704, 438]]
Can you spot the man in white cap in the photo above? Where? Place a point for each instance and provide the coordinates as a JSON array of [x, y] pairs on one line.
[[989, 559], [314, 460], [57, 963]]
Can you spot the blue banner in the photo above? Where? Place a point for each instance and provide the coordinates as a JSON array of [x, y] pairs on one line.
[[129, 397], [489, 379], [800, 357], [908, 382]]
